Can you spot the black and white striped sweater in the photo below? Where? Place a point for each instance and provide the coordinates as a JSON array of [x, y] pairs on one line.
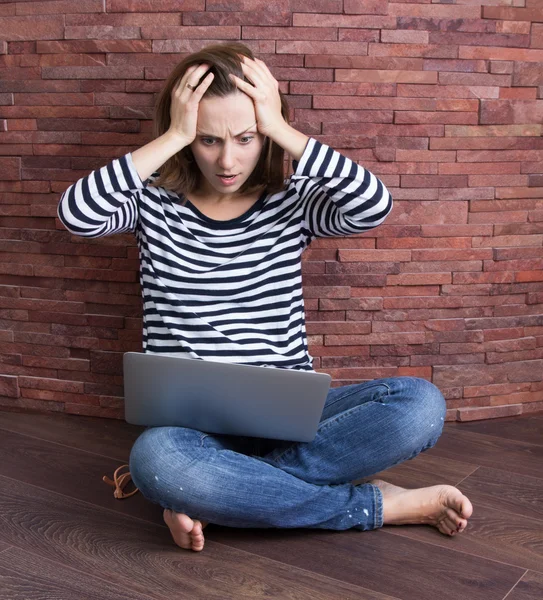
[[231, 290]]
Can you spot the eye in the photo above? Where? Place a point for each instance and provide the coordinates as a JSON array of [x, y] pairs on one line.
[[246, 139], [207, 141]]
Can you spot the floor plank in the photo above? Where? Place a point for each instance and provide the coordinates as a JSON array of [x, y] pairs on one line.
[[72, 472], [505, 491], [529, 429], [108, 437], [530, 587], [54, 504], [141, 556], [490, 451], [491, 534], [26, 576], [399, 567]]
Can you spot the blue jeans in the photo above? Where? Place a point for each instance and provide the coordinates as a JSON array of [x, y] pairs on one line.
[[255, 482]]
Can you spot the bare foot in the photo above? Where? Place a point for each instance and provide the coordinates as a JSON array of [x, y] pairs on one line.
[[186, 533], [442, 506]]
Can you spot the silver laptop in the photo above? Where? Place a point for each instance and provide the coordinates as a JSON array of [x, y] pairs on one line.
[[216, 397]]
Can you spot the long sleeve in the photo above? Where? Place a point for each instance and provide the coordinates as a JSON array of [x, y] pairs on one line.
[[340, 197], [104, 202]]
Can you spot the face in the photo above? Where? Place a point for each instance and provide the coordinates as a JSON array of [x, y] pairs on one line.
[[227, 143]]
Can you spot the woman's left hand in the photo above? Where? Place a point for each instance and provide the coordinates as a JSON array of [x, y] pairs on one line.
[[264, 93]]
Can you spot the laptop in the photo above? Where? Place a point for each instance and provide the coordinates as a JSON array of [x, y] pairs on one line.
[[226, 398]]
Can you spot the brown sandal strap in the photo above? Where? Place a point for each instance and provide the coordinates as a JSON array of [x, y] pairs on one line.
[[119, 482]]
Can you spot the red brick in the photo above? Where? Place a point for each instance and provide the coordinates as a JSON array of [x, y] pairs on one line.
[[489, 39], [519, 93], [419, 279], [513, 26], [9, 386], [338, 20], [364, 62], [447, 92], [74, 387], [10, 168], [479, 79], [532, 407], [375, 338], [419, 243], [367, 304], [440, 231], [355, 267], [123, 19], [36, 27], [326, 292], [483, 143], [158, 6], [421, 181], [380, 76], [488, 412], [267, 17], [422, 372], [422, 301], [400, 36], [374, 255], [358, 35], [368, 7], [290, 33], [57, 396], [92, 73], [479, 168], [497, 180], [338, 327], [504, 67], [93, 46], [441, 266], [521, 192]]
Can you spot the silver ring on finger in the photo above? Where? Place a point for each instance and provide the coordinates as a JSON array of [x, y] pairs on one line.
[[191, 87]]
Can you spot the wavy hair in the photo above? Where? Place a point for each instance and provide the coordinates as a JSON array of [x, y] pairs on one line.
[[180, 173]]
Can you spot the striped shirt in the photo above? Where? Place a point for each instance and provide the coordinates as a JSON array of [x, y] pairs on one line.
[[229, 291]]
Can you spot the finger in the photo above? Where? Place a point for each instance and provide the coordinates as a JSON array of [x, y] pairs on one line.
[[264, 66], [243, 86], [260, 84], [192, 75], [201, 89]]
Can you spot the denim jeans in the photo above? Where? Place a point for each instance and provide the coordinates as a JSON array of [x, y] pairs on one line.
[[255, 482]]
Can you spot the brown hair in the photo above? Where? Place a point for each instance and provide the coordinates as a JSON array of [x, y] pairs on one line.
[[180, 173]]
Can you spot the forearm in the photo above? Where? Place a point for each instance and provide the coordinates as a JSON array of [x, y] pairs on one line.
[[290, 139], [153, 155]]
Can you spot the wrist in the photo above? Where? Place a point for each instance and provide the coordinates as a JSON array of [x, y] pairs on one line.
[[175, 139]]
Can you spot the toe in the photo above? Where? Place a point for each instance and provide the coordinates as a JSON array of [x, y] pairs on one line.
[[466, 508], [454, 517], [462, 525], [446, 526]]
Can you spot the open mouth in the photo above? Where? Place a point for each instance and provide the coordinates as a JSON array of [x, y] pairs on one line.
[[226, 179]]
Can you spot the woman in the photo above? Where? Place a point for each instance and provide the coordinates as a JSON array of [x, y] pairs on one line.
[[220, 235]]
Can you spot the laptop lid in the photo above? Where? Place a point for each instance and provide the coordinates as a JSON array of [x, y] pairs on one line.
[[227, 398]]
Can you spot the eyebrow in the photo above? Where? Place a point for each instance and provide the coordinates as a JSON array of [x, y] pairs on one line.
[[237, 135]]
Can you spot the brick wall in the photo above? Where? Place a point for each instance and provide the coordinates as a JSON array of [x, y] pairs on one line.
[[442, 100]]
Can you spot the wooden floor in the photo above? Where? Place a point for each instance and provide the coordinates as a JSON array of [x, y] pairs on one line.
[[63, 536]]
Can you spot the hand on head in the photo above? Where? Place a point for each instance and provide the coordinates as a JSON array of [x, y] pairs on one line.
[[186, 96], [264, 92]]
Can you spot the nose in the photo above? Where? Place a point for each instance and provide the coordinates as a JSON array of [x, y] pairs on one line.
[[226, 157]]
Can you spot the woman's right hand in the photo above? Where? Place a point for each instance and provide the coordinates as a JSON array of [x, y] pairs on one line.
[[185, 102]]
